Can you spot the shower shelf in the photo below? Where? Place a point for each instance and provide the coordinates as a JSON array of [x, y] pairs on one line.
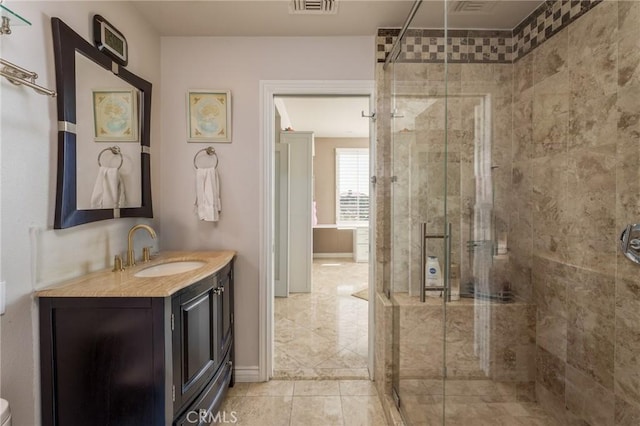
[[504, 296]]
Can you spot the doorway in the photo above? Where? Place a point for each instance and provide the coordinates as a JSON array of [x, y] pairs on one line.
[[321, 203], [323, 266]]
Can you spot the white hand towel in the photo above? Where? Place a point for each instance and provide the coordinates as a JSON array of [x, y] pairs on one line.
[[208, 194], [108, 191]]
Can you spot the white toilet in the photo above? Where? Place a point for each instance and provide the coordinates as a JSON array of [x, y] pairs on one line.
[[5, 413]]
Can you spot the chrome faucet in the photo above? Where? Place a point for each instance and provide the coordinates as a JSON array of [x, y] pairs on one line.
[[131, 256]]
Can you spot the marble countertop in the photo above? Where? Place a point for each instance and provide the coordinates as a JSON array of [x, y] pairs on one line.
[[106, 283]]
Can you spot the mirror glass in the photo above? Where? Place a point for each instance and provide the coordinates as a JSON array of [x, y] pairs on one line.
[[94, 84], [104, 119]]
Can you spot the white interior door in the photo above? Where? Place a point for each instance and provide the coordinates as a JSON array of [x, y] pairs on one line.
[[281, 231], [300, 209]]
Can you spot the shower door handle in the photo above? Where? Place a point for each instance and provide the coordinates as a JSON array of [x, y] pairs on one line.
[[423, 259], [630, 242]]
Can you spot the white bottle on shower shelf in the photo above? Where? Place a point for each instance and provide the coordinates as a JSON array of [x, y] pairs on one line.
[[502, 252], [433, 276]]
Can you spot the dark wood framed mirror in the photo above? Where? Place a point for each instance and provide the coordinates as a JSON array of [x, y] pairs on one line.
[[74, 54]]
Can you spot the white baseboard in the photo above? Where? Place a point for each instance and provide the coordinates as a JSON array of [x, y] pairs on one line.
[[247, 374], [331, 255]]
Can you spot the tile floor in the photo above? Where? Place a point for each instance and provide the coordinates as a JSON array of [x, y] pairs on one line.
[[323, 334], [322, 337], [304, 403], [321, 373]]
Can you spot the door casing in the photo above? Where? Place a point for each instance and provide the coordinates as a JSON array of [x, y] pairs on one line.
[[268, 90]]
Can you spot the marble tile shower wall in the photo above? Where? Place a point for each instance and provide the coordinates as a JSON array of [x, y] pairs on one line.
[[418, 197], [576, 184], [568, 143]]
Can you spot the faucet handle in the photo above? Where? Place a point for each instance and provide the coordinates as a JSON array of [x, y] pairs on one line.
[[117, 263], [146, 254]]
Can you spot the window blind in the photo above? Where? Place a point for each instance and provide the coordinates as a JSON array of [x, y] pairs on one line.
[[352, 186]]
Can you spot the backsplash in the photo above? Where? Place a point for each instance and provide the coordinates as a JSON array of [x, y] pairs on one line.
[[484, 46]]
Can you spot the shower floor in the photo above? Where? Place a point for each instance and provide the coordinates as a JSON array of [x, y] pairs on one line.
[[490, 380], [468, 402]]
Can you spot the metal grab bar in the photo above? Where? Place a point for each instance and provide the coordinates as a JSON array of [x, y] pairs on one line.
[[447, 261]]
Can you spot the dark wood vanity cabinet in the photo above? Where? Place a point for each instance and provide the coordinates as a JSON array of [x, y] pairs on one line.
[[202, 318], [137, 360]]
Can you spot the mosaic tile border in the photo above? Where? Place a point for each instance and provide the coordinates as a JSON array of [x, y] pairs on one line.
[[548, 19], [462, 45], [484, 46]]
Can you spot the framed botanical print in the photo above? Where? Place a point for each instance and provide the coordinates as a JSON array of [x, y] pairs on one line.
[[209, 116], [115, 115]]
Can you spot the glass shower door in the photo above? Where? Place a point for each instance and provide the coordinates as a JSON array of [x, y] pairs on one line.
[[450, 120], [453, 342], [493, 132], [489, 337], [419, 225]]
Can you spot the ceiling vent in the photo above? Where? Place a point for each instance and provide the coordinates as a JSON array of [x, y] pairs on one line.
[[471, 7], [313, 7]]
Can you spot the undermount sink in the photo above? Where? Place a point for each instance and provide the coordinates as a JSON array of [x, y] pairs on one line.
[[169, 268]]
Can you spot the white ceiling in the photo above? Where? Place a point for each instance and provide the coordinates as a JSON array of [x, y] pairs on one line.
[[327, 117], [354, 17]]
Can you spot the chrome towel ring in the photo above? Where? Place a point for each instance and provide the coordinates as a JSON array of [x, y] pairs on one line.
[[210, 151], [115, 150]]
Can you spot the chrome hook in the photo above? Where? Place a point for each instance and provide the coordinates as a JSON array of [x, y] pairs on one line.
[[371, 116]]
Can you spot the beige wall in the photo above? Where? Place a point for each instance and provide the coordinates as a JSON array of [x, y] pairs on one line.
[[324, 172], [332, 240]]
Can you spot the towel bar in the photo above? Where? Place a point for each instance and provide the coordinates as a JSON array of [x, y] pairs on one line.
[[20, 76]]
